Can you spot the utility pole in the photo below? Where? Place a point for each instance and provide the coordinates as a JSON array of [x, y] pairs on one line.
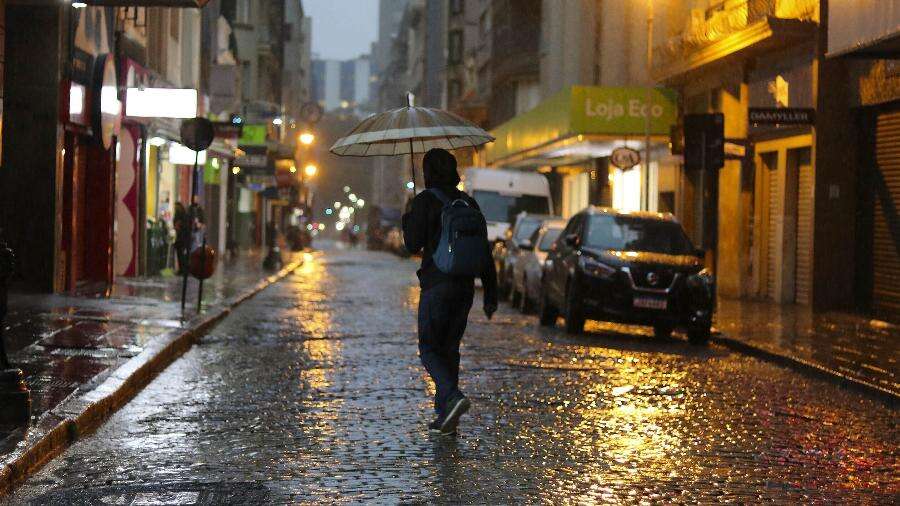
[[645, 167]]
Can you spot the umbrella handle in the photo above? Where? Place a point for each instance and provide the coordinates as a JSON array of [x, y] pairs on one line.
[[412, 162]]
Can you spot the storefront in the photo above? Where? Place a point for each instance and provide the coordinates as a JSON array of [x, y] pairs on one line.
[[863, 43], [91, 124], [777, 190], [570, 138], [147, 178]]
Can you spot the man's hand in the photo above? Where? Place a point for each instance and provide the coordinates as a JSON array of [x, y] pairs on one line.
[[489, 309]]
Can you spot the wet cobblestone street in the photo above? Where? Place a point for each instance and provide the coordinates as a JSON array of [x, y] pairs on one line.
[[312, 392]]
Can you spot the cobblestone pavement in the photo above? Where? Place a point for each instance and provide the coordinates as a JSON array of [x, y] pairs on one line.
[[312, 392]]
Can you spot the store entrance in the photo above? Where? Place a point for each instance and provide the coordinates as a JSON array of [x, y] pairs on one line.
[[87, 213]]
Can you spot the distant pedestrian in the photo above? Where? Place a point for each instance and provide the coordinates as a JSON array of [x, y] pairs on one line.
[[445, 299], [198, 230], [181, 223]]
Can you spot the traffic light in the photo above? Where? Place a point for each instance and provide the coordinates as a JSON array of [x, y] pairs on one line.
[[704, 141]]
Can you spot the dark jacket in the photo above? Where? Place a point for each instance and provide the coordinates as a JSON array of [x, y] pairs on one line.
[[422, 232]]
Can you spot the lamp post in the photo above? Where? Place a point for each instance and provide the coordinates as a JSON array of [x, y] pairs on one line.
[[15, 399]]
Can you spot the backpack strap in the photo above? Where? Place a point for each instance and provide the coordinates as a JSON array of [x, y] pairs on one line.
[[440, 196]]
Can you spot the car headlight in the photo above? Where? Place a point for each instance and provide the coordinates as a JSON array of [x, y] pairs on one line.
[[595, 268]]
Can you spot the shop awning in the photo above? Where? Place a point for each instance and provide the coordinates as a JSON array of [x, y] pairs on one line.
[[583, 122], [149, 3], [768, 34]]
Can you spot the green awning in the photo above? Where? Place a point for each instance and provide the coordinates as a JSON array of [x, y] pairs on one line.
[[614, 112]]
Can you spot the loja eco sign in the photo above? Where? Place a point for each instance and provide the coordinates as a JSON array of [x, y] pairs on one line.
[[623, 110]]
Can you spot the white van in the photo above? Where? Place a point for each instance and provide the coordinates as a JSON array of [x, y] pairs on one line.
[[502, 194]]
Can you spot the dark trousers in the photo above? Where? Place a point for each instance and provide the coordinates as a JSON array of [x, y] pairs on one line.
[[443, 313]]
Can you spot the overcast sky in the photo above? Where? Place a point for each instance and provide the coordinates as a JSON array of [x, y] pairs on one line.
[[342, 29]]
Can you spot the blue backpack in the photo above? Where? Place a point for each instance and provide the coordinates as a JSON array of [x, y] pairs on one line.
[[462, 249]]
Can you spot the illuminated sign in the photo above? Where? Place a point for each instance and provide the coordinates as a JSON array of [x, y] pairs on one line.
[[179, 103], [183, 155]]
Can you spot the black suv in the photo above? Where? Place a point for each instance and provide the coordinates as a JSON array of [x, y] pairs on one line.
[[635, 267]]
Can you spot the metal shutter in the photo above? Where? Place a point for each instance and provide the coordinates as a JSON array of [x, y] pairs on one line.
[[804, 229], [772, 239], [885, 258]]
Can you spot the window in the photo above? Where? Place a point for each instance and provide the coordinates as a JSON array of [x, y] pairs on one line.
[[455, 47], [526, 229], [625, 233], [549, 238], [454, 89], [456, 6], [243, 11]]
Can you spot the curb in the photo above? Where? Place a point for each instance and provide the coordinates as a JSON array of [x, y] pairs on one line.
[[807, 367], [83, 415]]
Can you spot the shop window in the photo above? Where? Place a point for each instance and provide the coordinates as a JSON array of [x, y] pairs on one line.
[[455, 47], [454, 89]]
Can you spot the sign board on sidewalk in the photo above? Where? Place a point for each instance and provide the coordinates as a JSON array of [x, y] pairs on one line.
[[782, 116]]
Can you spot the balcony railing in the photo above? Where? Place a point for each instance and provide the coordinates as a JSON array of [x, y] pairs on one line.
[[726, 17]]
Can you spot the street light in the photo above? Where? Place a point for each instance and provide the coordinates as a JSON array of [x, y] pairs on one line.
[[310, 170], [307, 138]]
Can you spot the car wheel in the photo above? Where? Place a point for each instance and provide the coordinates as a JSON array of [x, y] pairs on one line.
[[698, 335], [662, 331], [515, 296], [524, 301], [547, 314], [574, 314], [502, 284]]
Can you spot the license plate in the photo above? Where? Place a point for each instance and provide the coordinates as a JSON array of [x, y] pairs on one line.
[[650, 303]]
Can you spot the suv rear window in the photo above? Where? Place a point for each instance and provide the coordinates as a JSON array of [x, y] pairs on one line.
[[626, 233]]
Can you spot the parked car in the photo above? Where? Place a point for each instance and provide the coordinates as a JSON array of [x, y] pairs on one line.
[[504, 194], [506, 252], [528, 270], [636, 267]]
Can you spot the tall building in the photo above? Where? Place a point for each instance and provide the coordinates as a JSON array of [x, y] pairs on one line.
[[342, 84]]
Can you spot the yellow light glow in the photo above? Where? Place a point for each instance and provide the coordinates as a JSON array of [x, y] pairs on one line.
[[307, 138], [293, 169], [235, 170], [310, 170]]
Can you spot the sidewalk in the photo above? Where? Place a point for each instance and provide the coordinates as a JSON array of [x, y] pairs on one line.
[[67, 346], [849, 346]]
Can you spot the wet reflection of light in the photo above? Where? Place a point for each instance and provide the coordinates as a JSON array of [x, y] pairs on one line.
[[412, 297], [315, 321]]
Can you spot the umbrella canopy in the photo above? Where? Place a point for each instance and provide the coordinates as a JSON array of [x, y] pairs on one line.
[[410, 130]]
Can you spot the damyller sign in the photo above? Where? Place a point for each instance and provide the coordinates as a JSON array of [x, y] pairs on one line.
[[781, 116]]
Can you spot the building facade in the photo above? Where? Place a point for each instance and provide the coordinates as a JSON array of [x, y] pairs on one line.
[[89, 193]]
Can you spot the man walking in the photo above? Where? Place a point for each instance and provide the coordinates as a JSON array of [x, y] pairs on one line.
[[445, 299]]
